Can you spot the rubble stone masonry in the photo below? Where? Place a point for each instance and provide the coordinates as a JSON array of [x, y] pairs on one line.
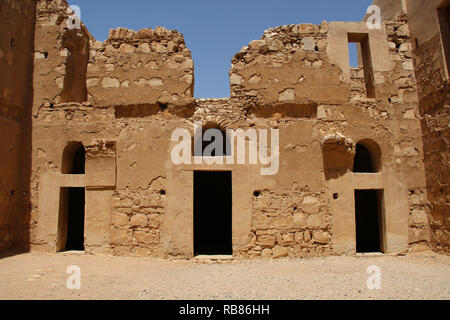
[[121, 100], [428, 30]]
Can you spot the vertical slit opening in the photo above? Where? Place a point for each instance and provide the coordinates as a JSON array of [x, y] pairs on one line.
[[444, 24], [74, 86], [361, 63]]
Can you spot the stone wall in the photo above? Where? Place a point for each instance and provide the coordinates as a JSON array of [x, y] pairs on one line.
[[419, 223], [432, 89], [290, 223], [296, 78], [287, 68], [16, 45], [146, 67], [60, 57], [136, 222]]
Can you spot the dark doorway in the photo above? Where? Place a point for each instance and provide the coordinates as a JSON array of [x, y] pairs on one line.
[[79, 160], [212, 213], [368, 204], [72, 200], [363, 160], [75, 219]]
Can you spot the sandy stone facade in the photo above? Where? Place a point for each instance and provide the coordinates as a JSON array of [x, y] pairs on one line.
[[16, 69], [96, 135], [428, 23]]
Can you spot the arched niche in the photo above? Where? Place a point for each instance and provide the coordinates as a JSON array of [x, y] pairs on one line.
[[74, 159], [367, 157], [204, 143]]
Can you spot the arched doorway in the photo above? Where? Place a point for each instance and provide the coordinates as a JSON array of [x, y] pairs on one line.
[[368, 203], [72, 201]]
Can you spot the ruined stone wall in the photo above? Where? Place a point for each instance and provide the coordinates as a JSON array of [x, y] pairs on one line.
[[297, 78], [289, 65], [16, 45], [147, 67], [60, 57], [254, 78], [432, 89]]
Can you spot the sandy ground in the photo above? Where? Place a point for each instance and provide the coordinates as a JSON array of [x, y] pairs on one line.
[[43, 276]]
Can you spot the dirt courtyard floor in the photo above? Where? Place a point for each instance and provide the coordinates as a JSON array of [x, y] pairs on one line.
[[44, 276]]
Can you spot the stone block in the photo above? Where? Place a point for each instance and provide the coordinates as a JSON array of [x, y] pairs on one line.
[[138, 220], [299, 221], [146, 237], [314, 221], [321, 237], [279, 251], [266, 240]]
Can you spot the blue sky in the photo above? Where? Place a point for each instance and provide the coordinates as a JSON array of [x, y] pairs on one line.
[[214, 30]]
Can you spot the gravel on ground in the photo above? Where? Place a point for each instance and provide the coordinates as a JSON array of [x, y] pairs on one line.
[[44, 276]]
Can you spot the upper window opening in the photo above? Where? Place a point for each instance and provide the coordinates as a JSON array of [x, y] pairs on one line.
[[361, 63], [353, 53], [444, 23], [214, 142]]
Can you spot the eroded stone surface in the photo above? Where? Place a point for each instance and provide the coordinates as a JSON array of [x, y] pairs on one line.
[[123, 98]]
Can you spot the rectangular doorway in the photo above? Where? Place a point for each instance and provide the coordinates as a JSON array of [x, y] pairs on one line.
[[212, 213], [369, 222], [71, 219]]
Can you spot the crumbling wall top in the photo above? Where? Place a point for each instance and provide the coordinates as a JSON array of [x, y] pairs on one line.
[[141, 67], [172, 38], [288, 65]]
